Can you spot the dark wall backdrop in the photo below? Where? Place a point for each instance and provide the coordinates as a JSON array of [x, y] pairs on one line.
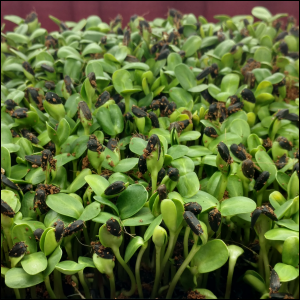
[[107, 10]]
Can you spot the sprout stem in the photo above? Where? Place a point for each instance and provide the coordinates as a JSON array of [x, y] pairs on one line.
[[259, 199], [137, 269], [246, 236], [129, 272], [74, 163], [68, 247], [232, 262], [192, 253], [127, 103], [49, 288], [17, 293], [263, 256], [86, 236], [84, 285], [5, 249], [296, 291], [112, 285], [33, 292], [58, 289], [157, 272], [186, 241], [154, 181], [200, 171], [168, 252], [6, 231]]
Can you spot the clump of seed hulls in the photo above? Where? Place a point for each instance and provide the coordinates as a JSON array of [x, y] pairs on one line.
[[18, 249], [103, 252], [114, 227], [73, 228], [193, 222], [115, 188], [266, 210], [214, 219]]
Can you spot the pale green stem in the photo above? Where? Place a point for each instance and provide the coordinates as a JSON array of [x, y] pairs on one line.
[[74, 163], [33, 292], [127, 269], [5, 249], [84, 285], [17, 293], [95, 231], [137, 269], [246, 236], [264, 254], [127, 103], [157, 272], [168, 252], [200, 171], [49, 288], [154, 181], [186, 241], [112, 285], [259, 199], [86, 236], [231, 266], [186, 262], [58, 289], [99, 169], [296, 291], [204, 281], [68, 247]]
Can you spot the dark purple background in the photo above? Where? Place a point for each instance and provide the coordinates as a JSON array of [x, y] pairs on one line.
[[107, 10]]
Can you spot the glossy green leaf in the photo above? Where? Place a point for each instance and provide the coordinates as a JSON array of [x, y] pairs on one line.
[[97, 183], [280, 234], [265, 162], [34, 263], [206, 200], [240, 128], [90, 212], [137, 145], [230, 83], [107, 202], [288, 223], [188, 185], [126, 165], [237, 205], [131, 200], [261, 13], [17, 278], [227, 138], [285, 272], [178, 151], [53, 260], [103, 217], [23, 233], [110, 119], [132, 247], [290, 251], [211, 256], [183, 164], [185, 76], [180, 96], [149, 232], [65, 205], [143, 217], [191, 45], [234, 186], [69, 267], [189, 136]]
